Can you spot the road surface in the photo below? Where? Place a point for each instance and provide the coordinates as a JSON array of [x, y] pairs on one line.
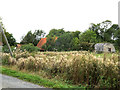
[[11, 82]]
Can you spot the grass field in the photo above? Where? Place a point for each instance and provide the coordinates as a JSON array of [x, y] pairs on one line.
[[79, 68]]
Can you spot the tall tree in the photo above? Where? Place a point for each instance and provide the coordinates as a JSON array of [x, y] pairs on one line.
[[56, 32], [63, 42], [33, 37], [76, 34], [50, 44], [75, 44], [88, 36], [38, 34], [101, 30], [117, 39], [9, 36], [29, 38]]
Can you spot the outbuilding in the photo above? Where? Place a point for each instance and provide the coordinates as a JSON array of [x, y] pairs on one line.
[[104, 47]]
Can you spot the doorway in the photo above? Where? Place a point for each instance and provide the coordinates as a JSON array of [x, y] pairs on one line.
[[109, 49]]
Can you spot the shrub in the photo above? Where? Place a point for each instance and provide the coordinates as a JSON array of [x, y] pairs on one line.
[[5, 60], [5, 49], [8, 60], [29, 47], [87, 46], [22, 55]]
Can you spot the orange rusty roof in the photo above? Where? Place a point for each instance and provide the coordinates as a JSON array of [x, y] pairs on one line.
[[56, 38], [41, 42], [19, 45]]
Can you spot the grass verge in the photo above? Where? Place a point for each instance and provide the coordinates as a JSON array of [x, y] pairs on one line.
[[37, 79]]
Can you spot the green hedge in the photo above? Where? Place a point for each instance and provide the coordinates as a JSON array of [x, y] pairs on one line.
[[5, 49], [29, 47]]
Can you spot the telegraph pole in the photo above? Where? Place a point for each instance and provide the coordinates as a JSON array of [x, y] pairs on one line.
[[2, 31]]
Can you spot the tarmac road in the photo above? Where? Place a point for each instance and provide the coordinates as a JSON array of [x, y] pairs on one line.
[[11, 82]]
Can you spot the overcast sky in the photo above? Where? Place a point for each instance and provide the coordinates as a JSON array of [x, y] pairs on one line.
[[20, 16]]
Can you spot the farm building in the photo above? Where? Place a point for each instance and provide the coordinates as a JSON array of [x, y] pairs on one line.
[[104, 47], [42, 42], [19, 45]]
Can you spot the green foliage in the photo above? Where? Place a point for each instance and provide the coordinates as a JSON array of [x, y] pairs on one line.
[[10, 38], [32, 37], [75, 44], [38, 34], [5, 49], [56, 32], [106, 32], [5, 60], [97, 33], [88, 36], [101, 29], [50, 44], [63, 42], [117, 39], [28, 38], [30, 48], [86, 46], [76, 34], [37, 79], [109, 82]]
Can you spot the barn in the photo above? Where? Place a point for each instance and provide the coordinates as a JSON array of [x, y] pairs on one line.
[[104, 47]]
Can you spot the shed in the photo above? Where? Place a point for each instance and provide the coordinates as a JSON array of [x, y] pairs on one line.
[[104, 47]]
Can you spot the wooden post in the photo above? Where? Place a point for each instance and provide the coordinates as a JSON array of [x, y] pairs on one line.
[[2, 31], [119, 63]]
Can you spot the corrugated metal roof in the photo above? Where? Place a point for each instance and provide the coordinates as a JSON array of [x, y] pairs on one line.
[[41, 43]]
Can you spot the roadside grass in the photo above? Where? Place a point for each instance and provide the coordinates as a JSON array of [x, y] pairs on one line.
[[37, 79]]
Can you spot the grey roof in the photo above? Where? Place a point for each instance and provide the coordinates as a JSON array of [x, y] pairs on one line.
[[102, 44], [99, 46]]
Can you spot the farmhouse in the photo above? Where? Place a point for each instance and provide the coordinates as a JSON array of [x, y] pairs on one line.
[[104, 47]]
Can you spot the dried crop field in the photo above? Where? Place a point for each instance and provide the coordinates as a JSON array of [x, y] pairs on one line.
[[77, 67]]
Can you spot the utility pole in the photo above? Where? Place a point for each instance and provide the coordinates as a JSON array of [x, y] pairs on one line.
[[2, 31]]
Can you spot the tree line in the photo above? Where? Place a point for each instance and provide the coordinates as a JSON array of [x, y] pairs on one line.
[[104, 32]]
